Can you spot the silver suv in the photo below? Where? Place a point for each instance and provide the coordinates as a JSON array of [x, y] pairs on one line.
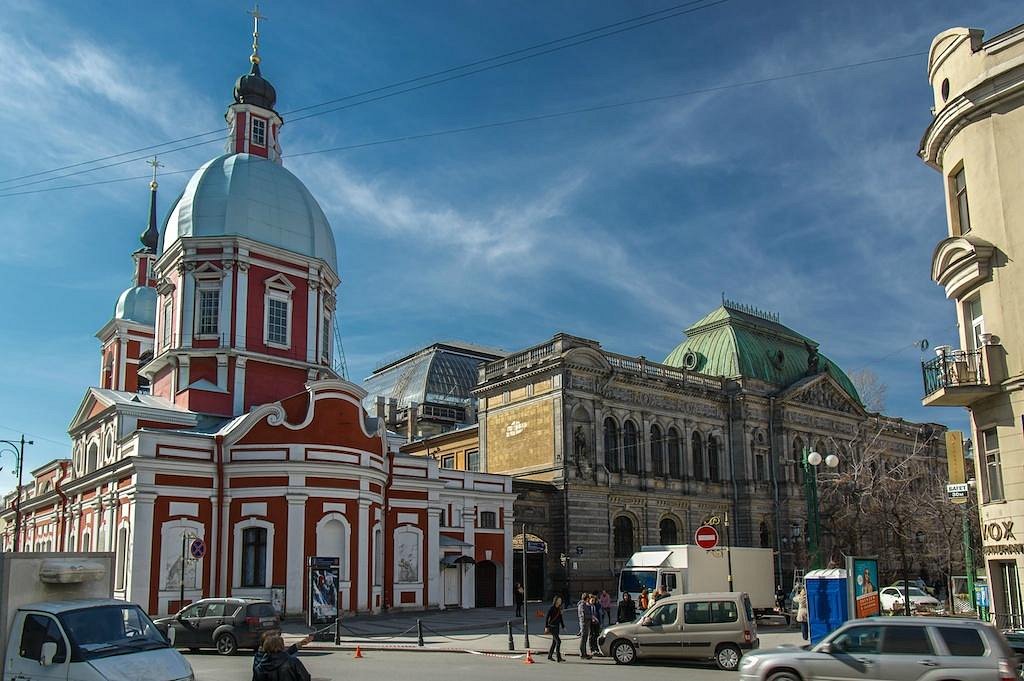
[[892, 649]]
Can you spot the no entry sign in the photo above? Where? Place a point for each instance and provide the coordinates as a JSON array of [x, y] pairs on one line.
[[706, 537]]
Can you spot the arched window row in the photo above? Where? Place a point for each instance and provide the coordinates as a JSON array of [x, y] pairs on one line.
[[668, 457]]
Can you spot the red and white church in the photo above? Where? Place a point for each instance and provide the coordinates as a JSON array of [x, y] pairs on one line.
[[218, 415]]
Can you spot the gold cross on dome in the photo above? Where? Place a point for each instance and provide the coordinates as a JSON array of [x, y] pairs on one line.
[[256, 16], [156, 164]]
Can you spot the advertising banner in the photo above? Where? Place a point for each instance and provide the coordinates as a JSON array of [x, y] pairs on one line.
[[324, 580], [864, 586]]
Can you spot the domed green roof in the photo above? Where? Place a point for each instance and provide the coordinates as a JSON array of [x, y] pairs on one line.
[[736, 343]]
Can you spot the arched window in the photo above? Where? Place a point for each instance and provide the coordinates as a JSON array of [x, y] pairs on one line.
[[121, 558], [697, 447], [86, 542], [713, 473], [611, 444], [332, 535], [668, 531], [675, 454], [631, 445], [657, 451], [378, 557], [622, 538], [798, 460], [254, 556], [92, 460]]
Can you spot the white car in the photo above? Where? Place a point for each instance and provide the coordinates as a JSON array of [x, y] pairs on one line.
[[892, 597]]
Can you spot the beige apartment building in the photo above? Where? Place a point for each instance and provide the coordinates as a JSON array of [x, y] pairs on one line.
[[976, 140]]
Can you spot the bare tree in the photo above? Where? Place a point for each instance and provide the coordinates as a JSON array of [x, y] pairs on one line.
[[872, 391]]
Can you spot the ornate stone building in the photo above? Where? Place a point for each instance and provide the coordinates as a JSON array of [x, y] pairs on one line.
[[610, 452]]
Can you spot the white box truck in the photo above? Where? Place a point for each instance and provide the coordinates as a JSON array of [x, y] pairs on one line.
[[58, 620], [685, 568]]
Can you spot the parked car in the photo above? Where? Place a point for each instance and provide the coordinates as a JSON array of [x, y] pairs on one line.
[[894, 649], [711, 626], [226, 624], [892, 596]]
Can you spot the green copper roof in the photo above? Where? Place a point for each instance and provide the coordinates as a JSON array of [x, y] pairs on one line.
[[737, 344]]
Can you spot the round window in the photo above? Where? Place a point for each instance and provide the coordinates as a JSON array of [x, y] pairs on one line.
[[945, 89]]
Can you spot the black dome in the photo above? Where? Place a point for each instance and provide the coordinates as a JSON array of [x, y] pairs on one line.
[[253, 88]]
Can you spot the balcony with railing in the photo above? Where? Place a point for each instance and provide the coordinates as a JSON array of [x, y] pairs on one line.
[[957, 378]]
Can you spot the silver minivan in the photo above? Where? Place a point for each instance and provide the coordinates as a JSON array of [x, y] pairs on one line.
[[894, 649], [711, 626]]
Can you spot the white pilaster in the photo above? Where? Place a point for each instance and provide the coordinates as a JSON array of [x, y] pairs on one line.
[[183, 372], [296, 555], [362, 601], [508, 557], [140, 552], [434, 596], [222, 372], [186, 304], [469, 572], [122, 361], [312, 294], [238, 393], [242, 302], [226, 296]]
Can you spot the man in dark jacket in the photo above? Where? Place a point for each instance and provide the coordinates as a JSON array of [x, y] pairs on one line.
[[273, 662]]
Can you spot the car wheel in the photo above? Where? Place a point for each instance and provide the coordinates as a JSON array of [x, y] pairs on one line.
[[226, 644], [623, 652], [728, 657], [784, 675]]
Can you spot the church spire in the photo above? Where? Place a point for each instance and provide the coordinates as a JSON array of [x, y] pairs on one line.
[[151, 237], [253, 124], [255, 58]]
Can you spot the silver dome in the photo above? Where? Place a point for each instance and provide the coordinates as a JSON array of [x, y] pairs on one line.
[[137, 304]]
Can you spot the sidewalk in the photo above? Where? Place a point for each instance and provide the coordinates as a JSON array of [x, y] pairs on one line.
[[478, 630]]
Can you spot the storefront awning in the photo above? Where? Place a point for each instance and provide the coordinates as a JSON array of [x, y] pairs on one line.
[[452, 541], [453, 559]]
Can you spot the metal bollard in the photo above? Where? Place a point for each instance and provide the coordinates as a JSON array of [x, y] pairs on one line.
[[511, 643], [419, 633], [337, 629]]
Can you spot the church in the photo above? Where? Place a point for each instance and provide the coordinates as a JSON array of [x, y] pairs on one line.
[[222, 451]]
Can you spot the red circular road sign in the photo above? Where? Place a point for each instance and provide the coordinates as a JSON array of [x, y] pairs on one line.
[[197, 548], [706, 537]]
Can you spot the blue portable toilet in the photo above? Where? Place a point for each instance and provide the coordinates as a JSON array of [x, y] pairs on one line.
[[827, 601]]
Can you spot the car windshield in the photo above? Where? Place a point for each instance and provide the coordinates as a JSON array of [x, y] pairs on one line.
[[634, 581], [110, 630]]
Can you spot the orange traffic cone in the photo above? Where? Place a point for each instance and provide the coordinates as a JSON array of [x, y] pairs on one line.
[[529, 657], [359, 653]]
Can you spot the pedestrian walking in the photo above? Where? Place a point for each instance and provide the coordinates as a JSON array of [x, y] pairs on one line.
[[627, 609], [800, 600], [277, 664], [606, 607], [519, 597], [595, 625], [659, 593], [585, 612], [644, 600], [553, 626]]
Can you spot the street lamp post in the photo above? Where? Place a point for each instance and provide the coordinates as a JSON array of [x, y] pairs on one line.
[[811, 461], [18, 449]]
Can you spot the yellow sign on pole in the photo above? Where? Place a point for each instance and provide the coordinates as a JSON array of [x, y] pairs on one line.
[[955, 456]]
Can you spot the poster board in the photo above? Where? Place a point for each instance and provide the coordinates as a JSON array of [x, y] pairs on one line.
[[863, 586], [324, 581]]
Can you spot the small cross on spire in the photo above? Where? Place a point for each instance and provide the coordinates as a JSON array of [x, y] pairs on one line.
[[156, 164], [256, 16]]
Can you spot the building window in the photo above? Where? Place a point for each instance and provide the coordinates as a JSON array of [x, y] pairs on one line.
[[675, 454], [962, 211], [993, 467], [277, 320], [448, 461], [259, 132], [631, 447], [325, 338], [208, 317], [166, 324], [697, 447], [611, 445], [254, 556], [713, 464], [668, 532], [759, 468], [657, 451], [622, 539], [974, 316], [798, 461], [473, 460], [488, 520]]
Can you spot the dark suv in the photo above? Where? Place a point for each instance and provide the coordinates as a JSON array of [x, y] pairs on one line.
[[226, 624]]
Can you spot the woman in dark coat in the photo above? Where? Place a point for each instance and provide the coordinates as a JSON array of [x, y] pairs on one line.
[[554, 625], [627, 609], [277, 665]]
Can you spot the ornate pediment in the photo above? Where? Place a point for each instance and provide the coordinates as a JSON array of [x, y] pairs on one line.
[[822, 392], [961, 263]]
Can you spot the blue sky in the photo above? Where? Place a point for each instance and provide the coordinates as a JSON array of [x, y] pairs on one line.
[[804, 197]]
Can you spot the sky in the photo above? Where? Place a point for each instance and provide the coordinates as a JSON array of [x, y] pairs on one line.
[[802, 196]]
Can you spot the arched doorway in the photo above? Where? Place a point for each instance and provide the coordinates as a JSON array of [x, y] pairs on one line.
[[486, 584]]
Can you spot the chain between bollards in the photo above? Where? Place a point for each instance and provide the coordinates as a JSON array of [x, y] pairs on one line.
[[511, 643], [419, 633]]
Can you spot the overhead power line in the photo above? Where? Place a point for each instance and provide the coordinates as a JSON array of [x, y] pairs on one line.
[[524, 119], [603, 31]]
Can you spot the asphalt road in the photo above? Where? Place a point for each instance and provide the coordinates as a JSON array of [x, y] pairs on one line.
[[381, 665]]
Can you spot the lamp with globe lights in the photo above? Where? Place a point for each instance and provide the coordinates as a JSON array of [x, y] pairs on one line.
[[811, 461]]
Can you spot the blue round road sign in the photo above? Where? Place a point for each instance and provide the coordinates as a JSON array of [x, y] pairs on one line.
[[197, 549]]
